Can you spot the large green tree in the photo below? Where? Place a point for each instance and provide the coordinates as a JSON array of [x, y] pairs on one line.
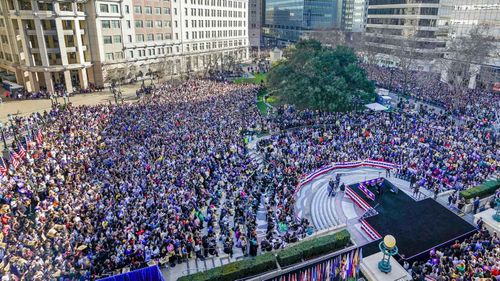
[[315, 77]]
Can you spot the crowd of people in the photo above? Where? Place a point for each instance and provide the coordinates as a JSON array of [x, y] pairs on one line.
[[474, 258], [169, 178], [429, 87], [60, 91], [164, 179]]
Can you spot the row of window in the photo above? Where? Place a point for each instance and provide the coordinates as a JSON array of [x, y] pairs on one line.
[[215, 34], [111, 24], [109, 8], [214, 23], [151, 37], [213, 45], [214, 13], [5, 56], [219, 3], [150, 23], [108, 39], [148, 10]]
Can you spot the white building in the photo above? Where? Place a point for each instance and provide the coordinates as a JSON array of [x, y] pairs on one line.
[[69, 44]]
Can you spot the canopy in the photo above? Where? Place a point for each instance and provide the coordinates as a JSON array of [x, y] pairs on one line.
[[376, 106], [151, 273]]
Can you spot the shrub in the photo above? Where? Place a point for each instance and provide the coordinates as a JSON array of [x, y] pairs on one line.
[[267, 262], [483, 190], [313, 248], [236, 270]]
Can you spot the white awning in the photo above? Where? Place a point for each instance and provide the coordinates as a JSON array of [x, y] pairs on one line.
[[376, 106]]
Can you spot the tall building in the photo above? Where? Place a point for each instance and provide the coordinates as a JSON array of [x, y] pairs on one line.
[[71, 43], [285, 21], [354, 15], [255, 21], [457, 18], [412, 24]]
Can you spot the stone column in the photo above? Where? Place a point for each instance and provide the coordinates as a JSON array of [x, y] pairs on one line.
[[62, 49], [82, 73]]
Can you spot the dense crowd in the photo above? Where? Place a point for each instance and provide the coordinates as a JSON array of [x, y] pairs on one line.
[[59, 92], [428, 87], [475, 258], [169, 177]]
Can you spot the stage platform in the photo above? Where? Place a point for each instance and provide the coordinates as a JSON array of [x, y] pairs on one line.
[[417, 226]]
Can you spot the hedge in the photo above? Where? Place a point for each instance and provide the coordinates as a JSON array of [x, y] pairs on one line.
[[312, 248], [236, 270], [483, 190], [266, 262]]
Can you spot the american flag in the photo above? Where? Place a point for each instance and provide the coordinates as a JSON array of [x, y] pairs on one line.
[[3, 167], [39, 137], [21, 149], [14, 161]]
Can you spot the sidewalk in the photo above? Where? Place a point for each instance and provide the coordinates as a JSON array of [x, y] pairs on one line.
[[26, 107]]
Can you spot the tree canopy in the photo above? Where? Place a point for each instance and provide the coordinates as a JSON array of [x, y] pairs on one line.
[[320, 78]]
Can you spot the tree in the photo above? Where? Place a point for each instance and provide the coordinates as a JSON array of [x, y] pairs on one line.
[[330, 38], [464, 55], [321, 78]]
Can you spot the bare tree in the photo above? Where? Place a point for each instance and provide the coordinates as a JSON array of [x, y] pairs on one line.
[[464, 55], [406, 56], [330, 38]]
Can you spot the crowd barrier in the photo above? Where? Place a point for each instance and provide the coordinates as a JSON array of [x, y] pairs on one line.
[[344, 165]]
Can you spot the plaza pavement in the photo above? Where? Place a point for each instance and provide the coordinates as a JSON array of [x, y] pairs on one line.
[[26, 107]]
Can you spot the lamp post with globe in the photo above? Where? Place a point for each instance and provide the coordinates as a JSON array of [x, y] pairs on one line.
[[388, 248], [496, 215]]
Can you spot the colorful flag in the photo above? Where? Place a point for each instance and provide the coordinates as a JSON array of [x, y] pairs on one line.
[[14, 160], [3, 167], [39, 137], [21, 149]]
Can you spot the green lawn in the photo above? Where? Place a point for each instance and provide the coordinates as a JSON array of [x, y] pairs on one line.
[[261, 105], [256, 80]]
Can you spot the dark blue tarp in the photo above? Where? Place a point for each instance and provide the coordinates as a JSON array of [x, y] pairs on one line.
[[151, 273]]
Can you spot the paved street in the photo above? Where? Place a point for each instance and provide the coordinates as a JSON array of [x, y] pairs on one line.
[[26, 107]]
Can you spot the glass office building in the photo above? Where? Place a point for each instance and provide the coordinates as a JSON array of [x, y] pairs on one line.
[[286, 20]]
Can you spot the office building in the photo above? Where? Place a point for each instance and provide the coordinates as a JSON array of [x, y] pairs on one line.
[[286, 21], [71, 44], [354, 15], [255, 21]]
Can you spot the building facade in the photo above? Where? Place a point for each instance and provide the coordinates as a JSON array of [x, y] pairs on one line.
[[69, 45], [255, 22], [404, 25], [457, 18], [354, 15], [285, 21]]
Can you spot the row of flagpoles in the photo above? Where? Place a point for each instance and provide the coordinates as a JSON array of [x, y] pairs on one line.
[[345, 266], [23, 149]]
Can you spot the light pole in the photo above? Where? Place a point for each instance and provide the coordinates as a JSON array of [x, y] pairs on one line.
[[13, 128], [3, 136], [388, 248]]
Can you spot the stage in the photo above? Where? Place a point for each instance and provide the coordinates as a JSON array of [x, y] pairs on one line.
[[418, 226]]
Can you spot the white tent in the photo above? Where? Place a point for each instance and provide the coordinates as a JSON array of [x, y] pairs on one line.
[[376, 106]]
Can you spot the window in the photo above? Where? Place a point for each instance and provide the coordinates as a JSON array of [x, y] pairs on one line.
[[118, 55], [139, 37], [117, 39], [127, 9], [151, 37], [114, 8], [159, 36], [149, 23], [138, 9], [104, 8], [148, 10], [116, 24], [138, 23], [159, 23], [108, 56], [128, 24], [105, 24], [108, 40], [158, 10], [131, 54], [130, 38], [166, 11]]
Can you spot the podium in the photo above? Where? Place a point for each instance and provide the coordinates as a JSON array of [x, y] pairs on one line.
[[369, 267]]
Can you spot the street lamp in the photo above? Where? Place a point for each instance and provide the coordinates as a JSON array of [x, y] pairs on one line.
[[388, 248], [11, 119], [3, 136]]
